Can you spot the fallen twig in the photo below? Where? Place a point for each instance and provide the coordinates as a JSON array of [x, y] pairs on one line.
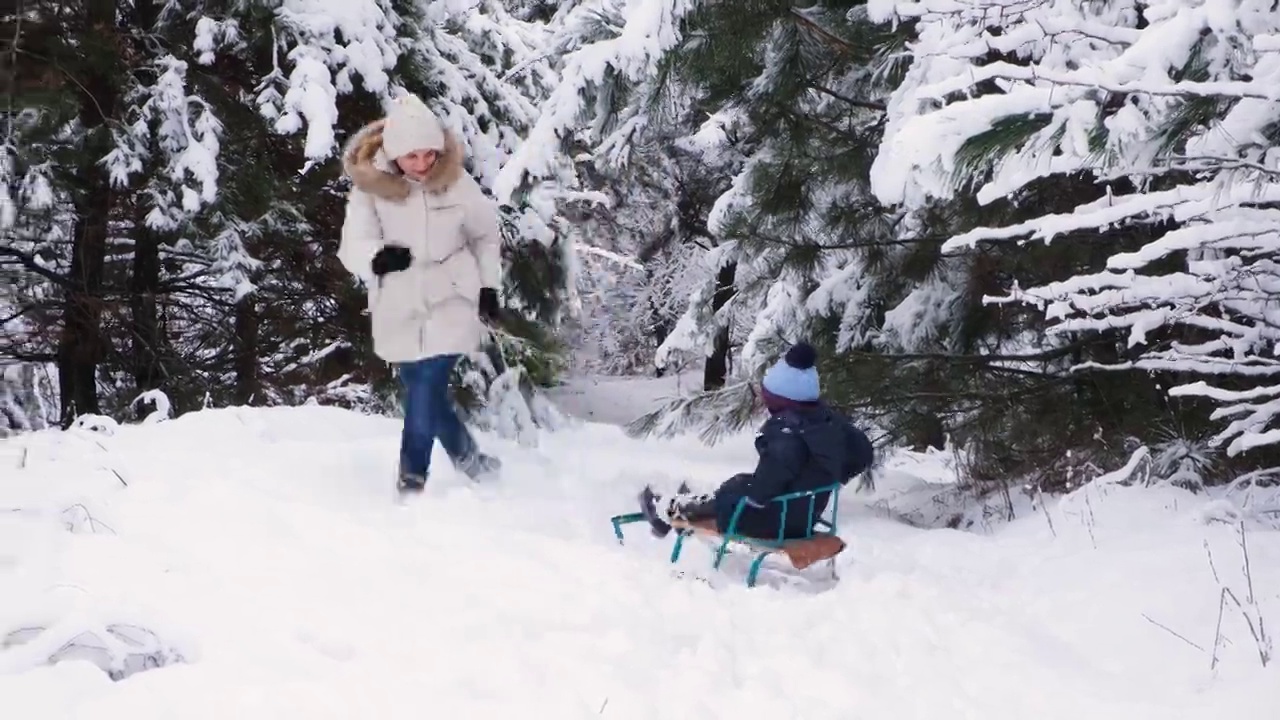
[[1181, 637]]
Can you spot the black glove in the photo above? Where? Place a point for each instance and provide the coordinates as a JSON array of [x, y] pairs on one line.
[[489, 304], [391, 258]]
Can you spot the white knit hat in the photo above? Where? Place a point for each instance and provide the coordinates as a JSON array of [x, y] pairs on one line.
[[411, 126]]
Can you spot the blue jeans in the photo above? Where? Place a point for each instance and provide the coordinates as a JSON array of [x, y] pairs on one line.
[[429, 415]]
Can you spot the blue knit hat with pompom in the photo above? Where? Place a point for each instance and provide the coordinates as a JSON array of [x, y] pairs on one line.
[[794, 377]]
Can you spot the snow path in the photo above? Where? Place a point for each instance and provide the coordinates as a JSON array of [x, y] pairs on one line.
[[617, 400], [265, 547]]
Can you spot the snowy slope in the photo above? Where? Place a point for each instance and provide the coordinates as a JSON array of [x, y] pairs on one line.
[[262, 548]]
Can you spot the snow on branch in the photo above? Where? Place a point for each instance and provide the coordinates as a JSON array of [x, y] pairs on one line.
[[629, 53], [168, 118], [1174, 110], [327, 43]]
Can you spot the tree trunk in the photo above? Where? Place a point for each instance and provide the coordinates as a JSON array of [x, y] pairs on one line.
[[659, 330], [82, 345], [716, 371], [930, 434], [144, 285], [246, 350]]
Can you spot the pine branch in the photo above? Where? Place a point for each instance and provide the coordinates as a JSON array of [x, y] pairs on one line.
[[69, 76], [1086, 79], [714, 414], [1005, 135], [31, 357], [29, 262], [1042, 356], [834, 129], [867, 104], [833, 40], [23, 310]]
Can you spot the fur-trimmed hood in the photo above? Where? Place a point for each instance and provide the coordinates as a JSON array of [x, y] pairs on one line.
[[452, 231], [373, 172]]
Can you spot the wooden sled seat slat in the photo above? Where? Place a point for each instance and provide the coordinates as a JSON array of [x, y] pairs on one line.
[[800, 552]]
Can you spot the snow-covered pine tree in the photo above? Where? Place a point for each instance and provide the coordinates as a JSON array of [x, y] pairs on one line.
[[746, 72], [205, 204], [591, 157], [640, 250], [908, 341], [1138, 139], [795, 90], [63, 67], [149, 276], [28, 398]]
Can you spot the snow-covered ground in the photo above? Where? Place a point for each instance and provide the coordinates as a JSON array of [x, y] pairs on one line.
[[619, 400], [257, 554]]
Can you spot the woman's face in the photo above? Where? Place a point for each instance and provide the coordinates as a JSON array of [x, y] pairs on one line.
[[417, 163]]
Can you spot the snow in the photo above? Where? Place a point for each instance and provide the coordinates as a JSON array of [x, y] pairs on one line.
[[615, 400], [651, 28], [258, 557]]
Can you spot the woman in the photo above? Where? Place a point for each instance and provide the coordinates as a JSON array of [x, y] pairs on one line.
[[425, 241]]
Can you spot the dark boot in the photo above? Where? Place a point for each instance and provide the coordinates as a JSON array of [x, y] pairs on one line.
[[480, 466], [410, 482], [649, 508], [695, 508], [690, 507]]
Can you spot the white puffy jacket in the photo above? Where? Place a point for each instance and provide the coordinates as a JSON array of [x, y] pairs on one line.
[[451, 228]]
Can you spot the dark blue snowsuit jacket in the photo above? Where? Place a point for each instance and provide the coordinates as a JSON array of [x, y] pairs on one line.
[[800, 449]]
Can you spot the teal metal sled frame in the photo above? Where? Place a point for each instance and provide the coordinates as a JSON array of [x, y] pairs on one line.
[[760, 547]]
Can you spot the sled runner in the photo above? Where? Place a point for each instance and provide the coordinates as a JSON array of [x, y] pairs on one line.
[[801, 553]]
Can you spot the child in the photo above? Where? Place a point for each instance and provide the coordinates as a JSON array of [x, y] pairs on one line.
[[803, 446]]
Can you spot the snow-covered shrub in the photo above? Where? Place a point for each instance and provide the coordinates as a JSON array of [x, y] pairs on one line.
[[1184, 463], [119, 650]]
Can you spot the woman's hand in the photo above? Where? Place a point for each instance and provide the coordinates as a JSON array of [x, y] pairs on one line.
[[391, 258], [489, 304]]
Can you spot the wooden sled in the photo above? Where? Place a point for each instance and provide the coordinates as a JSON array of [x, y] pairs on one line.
[[822, 542]]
